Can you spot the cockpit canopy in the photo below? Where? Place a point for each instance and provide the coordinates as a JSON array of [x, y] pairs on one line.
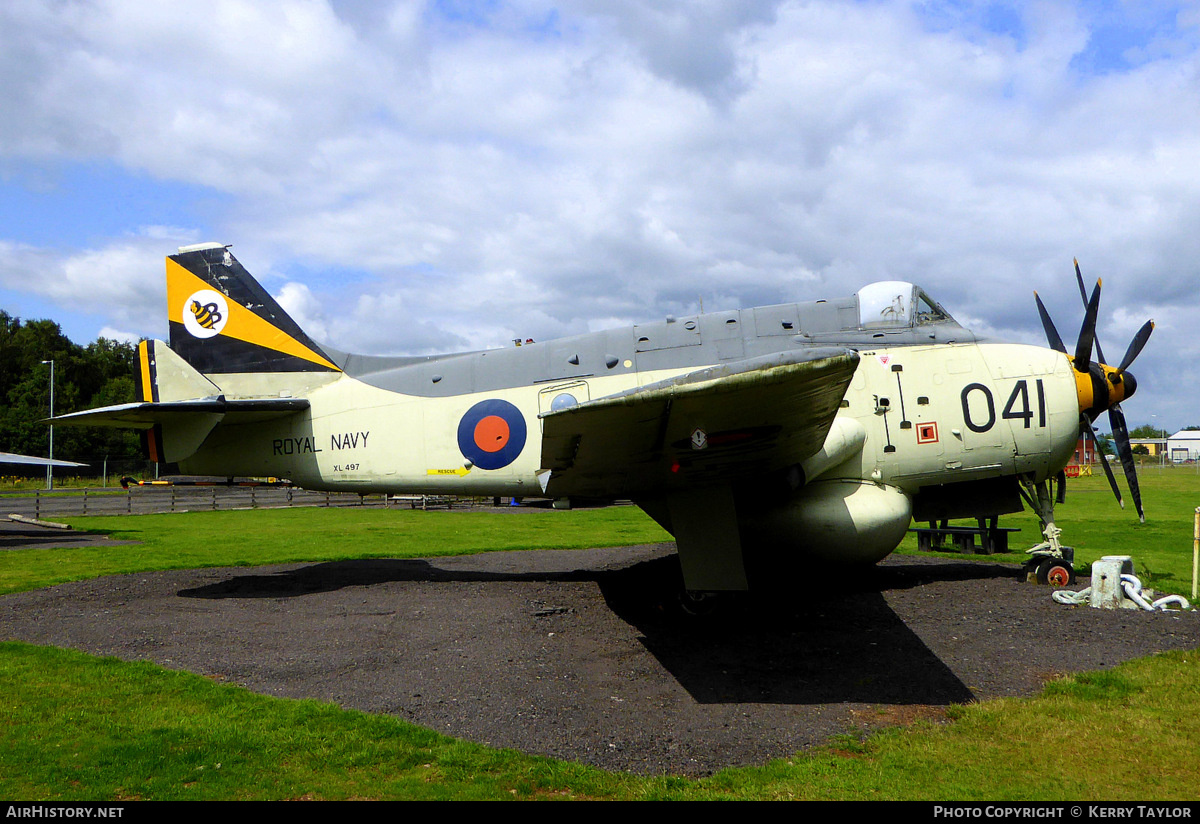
[[897, 304]]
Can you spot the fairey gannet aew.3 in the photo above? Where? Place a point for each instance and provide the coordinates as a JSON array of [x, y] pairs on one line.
[[804, 431]]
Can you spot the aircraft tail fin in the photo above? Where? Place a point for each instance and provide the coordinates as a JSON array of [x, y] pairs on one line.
[[222, 321]]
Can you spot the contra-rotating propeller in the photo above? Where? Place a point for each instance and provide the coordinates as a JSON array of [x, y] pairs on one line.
[[1101, 386]]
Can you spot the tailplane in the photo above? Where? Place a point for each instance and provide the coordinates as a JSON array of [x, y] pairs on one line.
[[222, 321]]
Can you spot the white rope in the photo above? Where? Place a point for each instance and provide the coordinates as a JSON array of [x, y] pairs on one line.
[[1133, 589], [1065, 596]]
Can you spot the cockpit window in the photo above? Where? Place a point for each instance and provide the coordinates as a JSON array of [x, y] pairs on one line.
[[896, 304], [888, 303], [927, 310]]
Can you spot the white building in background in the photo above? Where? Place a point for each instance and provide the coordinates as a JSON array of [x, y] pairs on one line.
[[1184, 446]]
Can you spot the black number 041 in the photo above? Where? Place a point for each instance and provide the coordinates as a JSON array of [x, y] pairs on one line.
[[1017, 408]]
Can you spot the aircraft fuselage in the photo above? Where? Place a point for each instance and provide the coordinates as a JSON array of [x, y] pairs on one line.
[[934, 414], [816, 429]]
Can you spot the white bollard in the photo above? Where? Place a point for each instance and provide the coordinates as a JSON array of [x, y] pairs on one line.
[[1107, 592]]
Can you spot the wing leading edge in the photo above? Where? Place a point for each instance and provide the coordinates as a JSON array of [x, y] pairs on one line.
[[174, 430], [12, 459], [712, 426], [146, 414]]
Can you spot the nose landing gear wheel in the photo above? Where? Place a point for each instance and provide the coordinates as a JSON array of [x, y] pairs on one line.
[[1055, 572]]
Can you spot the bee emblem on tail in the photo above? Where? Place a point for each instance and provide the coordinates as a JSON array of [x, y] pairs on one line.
[[207, 315]]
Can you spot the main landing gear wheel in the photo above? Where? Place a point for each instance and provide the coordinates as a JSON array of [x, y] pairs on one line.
[[1055, 572], [699, 604]]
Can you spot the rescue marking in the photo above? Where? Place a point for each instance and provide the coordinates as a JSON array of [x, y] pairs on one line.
[[927, 432]]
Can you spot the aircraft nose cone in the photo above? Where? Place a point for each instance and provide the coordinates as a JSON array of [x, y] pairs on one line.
[[1130, 384]]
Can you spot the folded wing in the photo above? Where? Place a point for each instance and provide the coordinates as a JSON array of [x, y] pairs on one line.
[[722, 424]]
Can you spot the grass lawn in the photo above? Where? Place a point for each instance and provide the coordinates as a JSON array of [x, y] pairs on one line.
[[77, 727], [275, 536], [1096, 526], [83, 728]]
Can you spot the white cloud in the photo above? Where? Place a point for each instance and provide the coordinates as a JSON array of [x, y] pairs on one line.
[[124, 280], [304, 308], [118, 335], [546, 168]]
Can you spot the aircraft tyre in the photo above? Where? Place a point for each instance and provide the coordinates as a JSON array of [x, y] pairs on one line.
[[1055, 572], [695, 604]]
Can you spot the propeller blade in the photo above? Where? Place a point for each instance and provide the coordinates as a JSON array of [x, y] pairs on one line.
[[1085, 426], [1052, 336], [1083, 296], [1116, 417], [1087, 333], [1135, 345]]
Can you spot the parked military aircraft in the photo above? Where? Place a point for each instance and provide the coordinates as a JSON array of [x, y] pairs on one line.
[[800, 431]]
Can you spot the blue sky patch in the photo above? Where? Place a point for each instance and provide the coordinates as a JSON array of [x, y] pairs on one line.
[[73, 205]]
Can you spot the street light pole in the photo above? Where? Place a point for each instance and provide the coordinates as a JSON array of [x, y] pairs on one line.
[[50, 466], [1162, 453]]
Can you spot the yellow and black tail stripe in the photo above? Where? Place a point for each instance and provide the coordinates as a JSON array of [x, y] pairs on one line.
[[146, 378], [147, 373], [214, 329]]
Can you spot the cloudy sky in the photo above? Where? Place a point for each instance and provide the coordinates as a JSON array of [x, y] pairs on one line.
[[416, 177]]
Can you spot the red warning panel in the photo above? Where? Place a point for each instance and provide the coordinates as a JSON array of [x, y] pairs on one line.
[[927, 433]]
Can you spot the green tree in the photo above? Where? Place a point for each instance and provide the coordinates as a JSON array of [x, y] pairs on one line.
[[100, 374]]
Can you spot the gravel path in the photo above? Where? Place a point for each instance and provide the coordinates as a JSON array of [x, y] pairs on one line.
[[581, 654]]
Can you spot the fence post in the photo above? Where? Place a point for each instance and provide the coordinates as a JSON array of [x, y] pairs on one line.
[[85, 500], [1196, 553], [37, 504]]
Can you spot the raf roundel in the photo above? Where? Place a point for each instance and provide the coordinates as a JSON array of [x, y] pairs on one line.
[[492, 434]]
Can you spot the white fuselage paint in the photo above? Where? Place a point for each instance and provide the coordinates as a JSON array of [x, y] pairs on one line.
[[954, 412]]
